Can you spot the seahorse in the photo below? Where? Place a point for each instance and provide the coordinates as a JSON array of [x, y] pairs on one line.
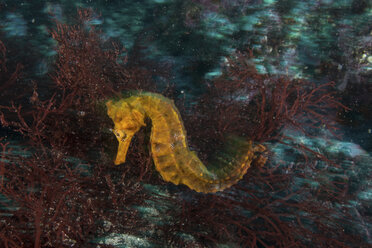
[[172, 157]]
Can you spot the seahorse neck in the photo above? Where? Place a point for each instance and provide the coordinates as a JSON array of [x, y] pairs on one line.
[[156, 106], [165, 118]]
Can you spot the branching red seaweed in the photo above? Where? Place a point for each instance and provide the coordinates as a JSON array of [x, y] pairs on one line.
[[7, 79], [51, 199], [62, 190], [276, 205]]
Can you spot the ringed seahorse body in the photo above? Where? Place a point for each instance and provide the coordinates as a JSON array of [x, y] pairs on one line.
[[169, 148]]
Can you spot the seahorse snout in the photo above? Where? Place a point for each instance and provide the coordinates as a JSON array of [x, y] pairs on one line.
[[122, 150]]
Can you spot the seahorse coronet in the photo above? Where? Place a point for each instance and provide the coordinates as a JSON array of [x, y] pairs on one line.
[[172, 157]]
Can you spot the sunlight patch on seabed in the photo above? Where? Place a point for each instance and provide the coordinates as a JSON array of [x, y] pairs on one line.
[[5, 204], [366, 195], [15, 25], [123, 241]]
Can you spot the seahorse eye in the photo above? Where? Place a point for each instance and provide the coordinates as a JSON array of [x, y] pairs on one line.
[[124, 136], [119, 134]]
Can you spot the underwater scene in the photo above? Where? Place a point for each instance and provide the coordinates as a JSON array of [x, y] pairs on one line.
[[185, 123]]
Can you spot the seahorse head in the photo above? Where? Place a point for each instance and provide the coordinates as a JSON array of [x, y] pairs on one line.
[[128, 120]]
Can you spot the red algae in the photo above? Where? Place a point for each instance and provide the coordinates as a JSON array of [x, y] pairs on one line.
[[54, 200]]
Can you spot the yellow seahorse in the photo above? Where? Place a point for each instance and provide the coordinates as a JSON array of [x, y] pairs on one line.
[[171, 154]]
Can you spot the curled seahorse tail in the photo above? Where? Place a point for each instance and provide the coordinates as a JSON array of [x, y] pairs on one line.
[[212, 181], [226, 170], [232, 164]]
